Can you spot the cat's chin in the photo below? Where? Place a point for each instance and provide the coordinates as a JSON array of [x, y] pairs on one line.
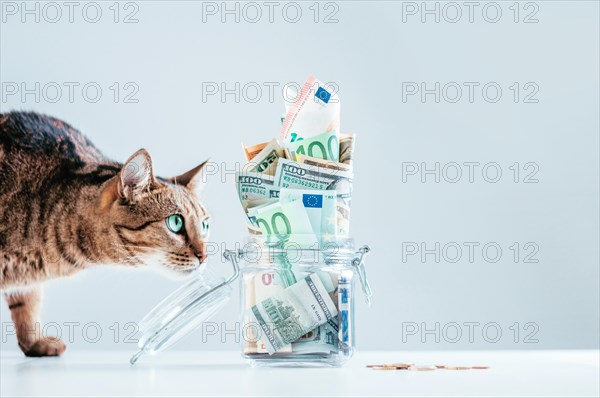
[[177, 273]]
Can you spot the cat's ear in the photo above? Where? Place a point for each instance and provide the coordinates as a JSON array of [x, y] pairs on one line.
[[136, 176], [195, 179]]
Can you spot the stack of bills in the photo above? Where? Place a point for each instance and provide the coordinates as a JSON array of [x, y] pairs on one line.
[[297, 188], [300, 184]]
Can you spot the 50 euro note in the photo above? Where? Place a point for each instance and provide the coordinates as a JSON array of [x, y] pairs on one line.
[[266, 160], [316, 110], [293, 312], [251, 151], [297, 175]]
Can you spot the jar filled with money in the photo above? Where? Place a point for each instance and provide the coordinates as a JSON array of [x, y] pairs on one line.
[[297, 300]]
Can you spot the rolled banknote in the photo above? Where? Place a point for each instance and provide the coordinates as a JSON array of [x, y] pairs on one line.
[[292, 174], [322, 146], [290, 314], [255, 186], [327, 164], [344, 307], [266, 160], [347, 142], [316, 110], [251, 151]]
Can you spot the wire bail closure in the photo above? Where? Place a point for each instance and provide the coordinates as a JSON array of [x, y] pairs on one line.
[[359, 264]]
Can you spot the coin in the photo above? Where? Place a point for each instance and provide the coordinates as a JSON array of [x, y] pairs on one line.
[[421, 368], [457, 367]]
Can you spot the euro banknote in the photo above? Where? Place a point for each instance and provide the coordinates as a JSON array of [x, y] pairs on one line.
[[292, 174], [324, 146], [319, 206], [251, 151], [316, 110], [266, 160], [285, 222]]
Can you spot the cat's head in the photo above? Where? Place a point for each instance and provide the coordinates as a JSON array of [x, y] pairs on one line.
[[157, 221]]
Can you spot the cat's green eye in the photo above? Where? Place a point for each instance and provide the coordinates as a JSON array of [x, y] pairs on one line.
[[204, 228], [175, 223]]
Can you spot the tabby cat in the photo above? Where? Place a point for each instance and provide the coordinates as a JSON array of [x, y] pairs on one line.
[[64, 207]]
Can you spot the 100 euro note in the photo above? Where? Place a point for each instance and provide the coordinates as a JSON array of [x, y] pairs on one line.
[[296, 175], [322, 146], [293, 312], [285, 222]]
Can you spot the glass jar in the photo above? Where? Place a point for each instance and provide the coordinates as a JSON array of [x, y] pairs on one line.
[[269, 271], [316, 283]]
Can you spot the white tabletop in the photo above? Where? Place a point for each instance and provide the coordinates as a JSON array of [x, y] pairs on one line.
[[177, 373]]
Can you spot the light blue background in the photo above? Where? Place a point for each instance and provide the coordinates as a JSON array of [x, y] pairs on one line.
[[368, 54]]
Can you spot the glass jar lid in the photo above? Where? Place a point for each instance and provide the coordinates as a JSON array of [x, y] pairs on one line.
[[184, 310], [199, 299]]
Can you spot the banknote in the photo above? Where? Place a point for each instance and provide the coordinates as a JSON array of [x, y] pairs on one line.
[[323, 339], [347, 143], [285, 222], [255, 186], [322, 146], [266, 160], [320, 206], [267, 284], [251, 151], [327, 164], [290, 314], [292, 174], [250, 337], [344, 307], [316, 110]]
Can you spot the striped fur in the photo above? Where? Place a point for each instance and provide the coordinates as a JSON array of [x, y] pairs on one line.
[[64, 206]]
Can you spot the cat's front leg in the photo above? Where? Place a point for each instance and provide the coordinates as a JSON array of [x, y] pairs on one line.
[[25, 312]]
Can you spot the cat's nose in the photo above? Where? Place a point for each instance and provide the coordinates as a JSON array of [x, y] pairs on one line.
[[201, 255]]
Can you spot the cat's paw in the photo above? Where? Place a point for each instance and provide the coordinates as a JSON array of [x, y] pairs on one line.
[[46, 347]]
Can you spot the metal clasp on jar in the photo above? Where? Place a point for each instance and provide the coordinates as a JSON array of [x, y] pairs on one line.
[[359, 263]]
